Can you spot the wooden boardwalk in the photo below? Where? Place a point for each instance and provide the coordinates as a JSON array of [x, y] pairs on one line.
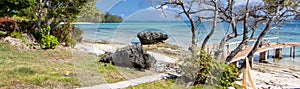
[[242, 54]]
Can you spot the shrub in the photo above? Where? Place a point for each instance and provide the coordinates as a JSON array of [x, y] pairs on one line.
[[3, 34], [210, 71], [67, 33], [17, 35], [48, 41]]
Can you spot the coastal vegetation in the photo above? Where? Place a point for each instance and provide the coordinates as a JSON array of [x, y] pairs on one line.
[[48, 24], [54, 69], [31, 17], [250, 14], [89, 13], [109, 18]]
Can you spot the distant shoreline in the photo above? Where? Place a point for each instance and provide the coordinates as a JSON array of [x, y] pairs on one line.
[[80, 23]]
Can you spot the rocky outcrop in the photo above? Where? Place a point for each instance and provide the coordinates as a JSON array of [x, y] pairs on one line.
[[107, 57], [152, 37], [27, 42], [132, 56]]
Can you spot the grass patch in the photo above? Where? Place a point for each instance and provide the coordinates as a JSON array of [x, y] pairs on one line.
[[113, 74], [163, 84], [170, 84], [22, 70], [56, 68], [110, 73], [35, 68]]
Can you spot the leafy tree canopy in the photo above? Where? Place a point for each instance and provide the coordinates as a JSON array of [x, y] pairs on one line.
[[11, 7], [109, 18]]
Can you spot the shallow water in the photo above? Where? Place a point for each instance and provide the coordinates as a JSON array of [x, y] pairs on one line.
[[180, 34]]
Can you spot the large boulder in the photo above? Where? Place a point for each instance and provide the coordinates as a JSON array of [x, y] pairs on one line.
[[151, 37], [133, 56]]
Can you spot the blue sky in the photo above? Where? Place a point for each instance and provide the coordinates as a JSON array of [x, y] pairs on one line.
[[122, 7], [126, 8]]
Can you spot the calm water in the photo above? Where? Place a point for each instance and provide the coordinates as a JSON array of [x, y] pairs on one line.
[[180, 34]]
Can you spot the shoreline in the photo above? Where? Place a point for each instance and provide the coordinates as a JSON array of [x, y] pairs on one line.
[[79, 23], [270, 75]]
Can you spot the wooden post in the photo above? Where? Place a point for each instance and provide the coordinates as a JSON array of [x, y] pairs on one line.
[[227, 51], [278, 53], [236, 63], [294, 52], [263, 56], [207, 49], [251, 61], [291, 49], [268, 54]]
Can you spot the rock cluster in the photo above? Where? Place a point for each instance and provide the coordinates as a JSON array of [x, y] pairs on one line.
[[28, 42], [107, 57], [151, 37], [132, 56], [16, 42]]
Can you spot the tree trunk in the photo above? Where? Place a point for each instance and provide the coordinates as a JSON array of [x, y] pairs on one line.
[[223, 41], [39, 15], [213, 28], [193, 48], [252, 33], [258, 41], [260, 37], [47, 20], [245, 37], [234, 29]]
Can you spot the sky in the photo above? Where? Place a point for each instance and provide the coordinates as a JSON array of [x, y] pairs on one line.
[[130, 8], [122, 7]]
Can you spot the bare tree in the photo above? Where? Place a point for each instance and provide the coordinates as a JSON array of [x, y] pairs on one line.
[[216, 13], [282, 11], [245, 34], [186, 7]]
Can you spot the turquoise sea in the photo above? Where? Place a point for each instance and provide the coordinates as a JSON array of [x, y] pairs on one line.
[[180, 34]]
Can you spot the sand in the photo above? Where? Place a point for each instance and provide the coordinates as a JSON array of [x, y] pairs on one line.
[[275, 76]]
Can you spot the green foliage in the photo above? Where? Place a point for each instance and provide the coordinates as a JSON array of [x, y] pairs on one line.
[[23, 70], [39, 80], [17, 35], [109, 18], [163, 84], [67, 33], [110, 73], [48, 41], [101, 56], [211, 72], [36, 68], [3, 34], [230, 73], [89, 13], [12, 7]]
